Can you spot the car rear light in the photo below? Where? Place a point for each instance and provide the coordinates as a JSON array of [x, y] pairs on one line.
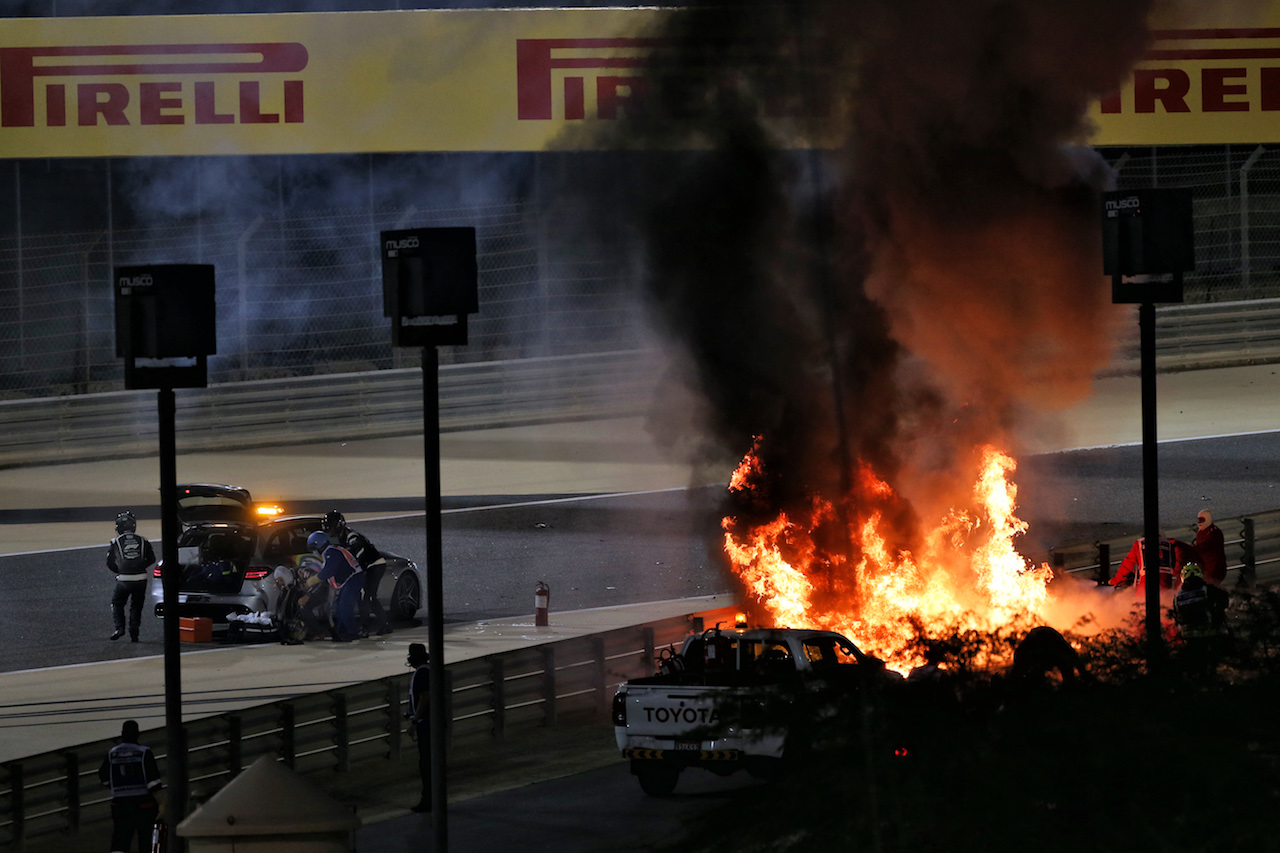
[[619, 709], [155, 573], [255, 574]]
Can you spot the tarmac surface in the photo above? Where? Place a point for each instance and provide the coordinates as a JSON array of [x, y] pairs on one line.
[[576, 458], [590, 457]]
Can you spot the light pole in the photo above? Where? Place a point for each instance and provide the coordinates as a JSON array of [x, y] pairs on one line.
[[429, 286], [165, 331], [1148, 241]]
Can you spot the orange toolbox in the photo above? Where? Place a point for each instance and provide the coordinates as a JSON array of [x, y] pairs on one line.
[[195, 629]]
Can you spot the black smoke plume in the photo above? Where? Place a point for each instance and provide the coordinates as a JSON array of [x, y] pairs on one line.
[[880, 246]]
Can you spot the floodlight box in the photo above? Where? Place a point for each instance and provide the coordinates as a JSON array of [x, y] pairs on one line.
[[430, 283], [166, 324], [1148, 232]]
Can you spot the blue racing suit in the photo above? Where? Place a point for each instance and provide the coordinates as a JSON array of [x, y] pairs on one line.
[[343, 573]]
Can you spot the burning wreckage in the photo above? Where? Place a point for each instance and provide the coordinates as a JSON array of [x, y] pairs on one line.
[[886, 294], [886, 297], [821, 569]]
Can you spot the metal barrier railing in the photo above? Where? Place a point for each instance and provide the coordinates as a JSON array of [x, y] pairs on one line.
[[1253, 548], [1194, 337], [374, 404], [486, 394], [490, 698]]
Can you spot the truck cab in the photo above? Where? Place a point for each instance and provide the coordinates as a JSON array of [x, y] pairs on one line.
[[715, 703]]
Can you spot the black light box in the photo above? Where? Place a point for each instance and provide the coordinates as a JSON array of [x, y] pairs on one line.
[[430, 283], [1148, 232], [166, 324]]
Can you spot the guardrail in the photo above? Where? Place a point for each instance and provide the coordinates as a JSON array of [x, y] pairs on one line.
[[373, 404], [490, 698], [488, 394], [1195, 337], [1252, 543]]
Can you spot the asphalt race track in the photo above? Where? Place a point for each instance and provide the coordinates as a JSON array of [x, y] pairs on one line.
[[598, 551], [593, 552]]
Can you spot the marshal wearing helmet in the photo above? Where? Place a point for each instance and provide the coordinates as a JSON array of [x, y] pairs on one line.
[[343, 574], [373, 617], [131, 559]]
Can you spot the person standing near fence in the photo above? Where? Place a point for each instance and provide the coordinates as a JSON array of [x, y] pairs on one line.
[[419, 717], [131, 559], [130, 770], [1211, 545]]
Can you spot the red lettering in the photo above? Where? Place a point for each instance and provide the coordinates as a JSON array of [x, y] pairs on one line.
[[1270, 91], [575, 99], [293, 105], [19, 70], [152, 103], [1112, 103], [611, 92], [1214, 90], [1172, 96], [206, 108], [251, 105], [55, 105], [101, 99], [534, 64]]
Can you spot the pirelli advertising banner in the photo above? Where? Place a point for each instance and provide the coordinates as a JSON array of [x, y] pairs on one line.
[[458, 80], [473, 80], [1202, 85]]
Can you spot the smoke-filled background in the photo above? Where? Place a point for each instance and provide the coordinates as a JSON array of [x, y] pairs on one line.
[[882, 248]]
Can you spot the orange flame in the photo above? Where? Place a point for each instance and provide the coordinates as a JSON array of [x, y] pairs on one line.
[[966, 575]]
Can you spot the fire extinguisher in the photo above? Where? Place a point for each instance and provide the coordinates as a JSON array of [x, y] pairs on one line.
[[541, 603]]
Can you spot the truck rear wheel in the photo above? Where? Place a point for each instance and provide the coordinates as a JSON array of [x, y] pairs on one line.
[[658, 781]]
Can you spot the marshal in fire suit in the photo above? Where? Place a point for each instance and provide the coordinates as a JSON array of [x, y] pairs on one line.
[[1212, 547], [1174, 554], [131, 559], [131, 771], [1200, 610], [372, 615], [343, 574]]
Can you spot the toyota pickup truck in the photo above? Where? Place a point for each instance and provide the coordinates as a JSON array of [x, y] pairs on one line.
[[722, 702]]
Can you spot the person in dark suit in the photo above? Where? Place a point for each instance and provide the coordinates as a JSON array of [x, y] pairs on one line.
[[420, 717]]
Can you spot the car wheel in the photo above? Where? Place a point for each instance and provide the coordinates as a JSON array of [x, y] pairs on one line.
[[658, 781], [406, 598]]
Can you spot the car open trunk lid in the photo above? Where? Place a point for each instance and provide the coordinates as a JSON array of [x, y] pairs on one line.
[[204, 503]]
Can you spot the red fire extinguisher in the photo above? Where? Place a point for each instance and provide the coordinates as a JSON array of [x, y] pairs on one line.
[[541, 603]]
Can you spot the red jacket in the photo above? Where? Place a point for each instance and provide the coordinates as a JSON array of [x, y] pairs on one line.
[[1174, 554], [1209, 542]]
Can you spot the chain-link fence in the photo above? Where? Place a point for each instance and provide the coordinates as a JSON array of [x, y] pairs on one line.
[[299, 290], [1237, 212], [296, 295]]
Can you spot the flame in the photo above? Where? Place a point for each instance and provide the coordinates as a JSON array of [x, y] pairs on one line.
[[964, 574]]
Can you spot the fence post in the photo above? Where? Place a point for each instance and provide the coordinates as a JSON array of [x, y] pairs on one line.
[[71, 768], [395, 718], [1249, 572], [1246, 265], [242, 291], [235, 761], [17, 808], [1104, 562], [341, 733], [498, 696], [648, 660], [288, 744], [602, 680], [548, 686]]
